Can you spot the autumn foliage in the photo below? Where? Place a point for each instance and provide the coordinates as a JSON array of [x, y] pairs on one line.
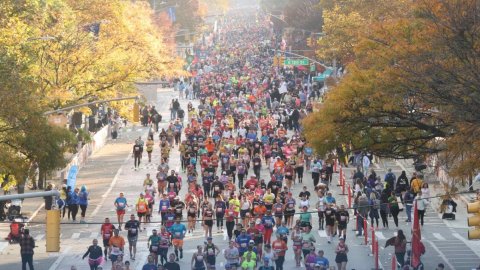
[[412, 86]]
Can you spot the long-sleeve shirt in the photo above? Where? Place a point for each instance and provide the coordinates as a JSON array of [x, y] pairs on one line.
[[93, 252]]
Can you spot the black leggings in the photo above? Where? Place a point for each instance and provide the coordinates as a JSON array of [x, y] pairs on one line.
[[219, 220], [84, 210], [299, 171], [279, 262], [421, 214], [136, 161], [316, 178], [163, 255], [230, 225], [394, 211], [73, 210], [384, 216]]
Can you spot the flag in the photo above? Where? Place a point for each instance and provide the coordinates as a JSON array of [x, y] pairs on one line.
[[416, 237]]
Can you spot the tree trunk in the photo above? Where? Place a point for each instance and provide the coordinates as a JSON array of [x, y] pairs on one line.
[[42, 175]]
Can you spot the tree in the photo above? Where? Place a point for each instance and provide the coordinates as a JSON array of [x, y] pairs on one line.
[[411, 90], [56, 53]]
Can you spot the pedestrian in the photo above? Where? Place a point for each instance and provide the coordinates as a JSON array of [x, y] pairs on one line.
[[341, 258], [362, 210], [400, 244], [73, 201], [106, 230], [120, 204], [421, 206], [149, 145], [27, 244], [408, 201], [94, 253], [83, 202]]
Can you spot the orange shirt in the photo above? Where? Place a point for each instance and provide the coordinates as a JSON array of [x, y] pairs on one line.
[[210, 146], [117, 241], [260, 210]]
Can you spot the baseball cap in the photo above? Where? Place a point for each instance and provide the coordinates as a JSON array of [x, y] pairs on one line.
[[251, 242], [209, 238]]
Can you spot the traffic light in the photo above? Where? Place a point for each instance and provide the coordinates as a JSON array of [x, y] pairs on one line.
[[474, 208], [136, 112], [309, 42], [53, 231]]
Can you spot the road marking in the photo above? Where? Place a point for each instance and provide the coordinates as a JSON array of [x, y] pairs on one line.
[[94, 235], [380, 235], [466, 242], [104, 196], [3, 245], [322, 233], [39, 237], [450, 266], [60, 259], [225, 235], [75, 235], [36, 212], [439, 236]]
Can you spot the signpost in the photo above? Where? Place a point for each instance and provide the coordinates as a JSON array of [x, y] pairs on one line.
[[296, 62]]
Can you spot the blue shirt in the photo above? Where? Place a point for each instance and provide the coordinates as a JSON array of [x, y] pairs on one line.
[[322, 261], [268, 221], [83, 198], [121, 203], [163, 205], [149, 267], [178, 231], [242, 241]]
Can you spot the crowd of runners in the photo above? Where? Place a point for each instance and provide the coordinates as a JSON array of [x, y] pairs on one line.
[[241, 153]]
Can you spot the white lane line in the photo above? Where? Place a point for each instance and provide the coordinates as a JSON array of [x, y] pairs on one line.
[[466, 242], [322, 233], [36, 212], [380, 235], [450, 266], [3, 245], [439, 236], [39, 237], [104, 196], [60, 259], [75, 235]]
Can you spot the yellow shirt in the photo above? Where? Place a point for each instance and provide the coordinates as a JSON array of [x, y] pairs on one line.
[[236, 203]]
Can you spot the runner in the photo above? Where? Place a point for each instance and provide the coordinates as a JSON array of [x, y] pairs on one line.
[[116, 246], [94, 253], [153, 245], [212, 252], [142, 209], [120, 203], [106, 230], [164, 244], [132, 226], [198, 259], [178, 231]]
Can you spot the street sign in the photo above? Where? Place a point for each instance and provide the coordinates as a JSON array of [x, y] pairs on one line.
[[313, 67], [190, 59], [296, 62]]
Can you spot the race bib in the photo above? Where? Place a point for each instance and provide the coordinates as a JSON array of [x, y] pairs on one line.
[[121, 205], [243, 245], [177, 233], [106, 235], [133, 230], [211, 252], [329, 212], [164, 207], [343, 218], [219, 210], [279, 209], [217, 188], [154, 248]]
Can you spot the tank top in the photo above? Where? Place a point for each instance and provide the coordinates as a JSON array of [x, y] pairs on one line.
[[199, 262]]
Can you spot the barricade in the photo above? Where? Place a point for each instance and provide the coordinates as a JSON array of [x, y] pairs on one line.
[[394, 262], [340, 177], [349, 196]]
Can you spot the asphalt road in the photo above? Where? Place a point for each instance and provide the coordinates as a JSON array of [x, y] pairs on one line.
[[110, 171]]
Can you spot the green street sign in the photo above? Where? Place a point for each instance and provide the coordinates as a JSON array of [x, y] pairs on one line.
[[296, 62], [313, 67], [190, 59]]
